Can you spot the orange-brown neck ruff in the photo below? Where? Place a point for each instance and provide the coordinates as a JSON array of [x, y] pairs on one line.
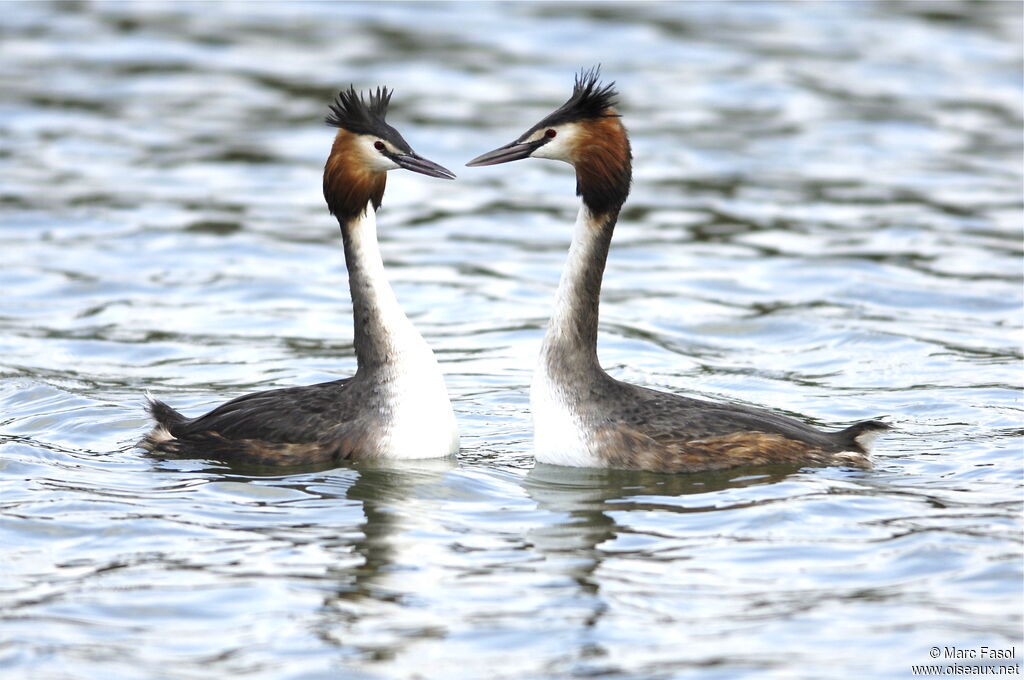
[[348, 184], [604, 164]]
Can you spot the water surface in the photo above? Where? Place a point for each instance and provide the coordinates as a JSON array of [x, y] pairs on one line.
[[826, 220]]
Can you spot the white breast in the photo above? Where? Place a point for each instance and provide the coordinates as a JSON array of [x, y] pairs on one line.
[[422, 422], [558, 435]]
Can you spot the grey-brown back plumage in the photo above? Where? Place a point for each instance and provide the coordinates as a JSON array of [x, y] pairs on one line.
[[327, 422]]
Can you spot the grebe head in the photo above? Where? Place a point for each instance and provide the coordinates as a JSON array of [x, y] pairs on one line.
[[586, 132], [364, 150]]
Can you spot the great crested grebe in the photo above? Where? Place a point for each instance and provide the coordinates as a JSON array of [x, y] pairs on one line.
[[396, 405], [582, 416]]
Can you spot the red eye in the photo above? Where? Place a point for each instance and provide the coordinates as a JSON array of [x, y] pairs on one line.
[[379, 146], [550, 133]]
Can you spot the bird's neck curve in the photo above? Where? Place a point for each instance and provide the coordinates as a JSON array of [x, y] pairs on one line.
[[383, 334], [570, 344]]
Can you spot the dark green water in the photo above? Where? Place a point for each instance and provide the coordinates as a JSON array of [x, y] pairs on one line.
[[826, 220]]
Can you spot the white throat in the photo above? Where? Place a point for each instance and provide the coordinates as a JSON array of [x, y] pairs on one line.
[[586, 236], [399, 338]]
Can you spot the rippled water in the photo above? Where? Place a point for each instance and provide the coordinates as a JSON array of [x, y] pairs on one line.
[[826, 220]]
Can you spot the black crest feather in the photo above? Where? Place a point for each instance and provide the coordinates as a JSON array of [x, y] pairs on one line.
[[590, 99], [351, 111]]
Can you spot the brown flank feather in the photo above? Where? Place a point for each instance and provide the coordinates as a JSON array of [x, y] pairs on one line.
[[258, 452], [625, 447]]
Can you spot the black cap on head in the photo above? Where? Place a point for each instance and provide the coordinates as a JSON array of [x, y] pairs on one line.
[[590, 99], [350, 111]]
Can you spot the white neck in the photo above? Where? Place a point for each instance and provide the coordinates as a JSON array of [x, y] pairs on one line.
[[383, 333], [572, 331]]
